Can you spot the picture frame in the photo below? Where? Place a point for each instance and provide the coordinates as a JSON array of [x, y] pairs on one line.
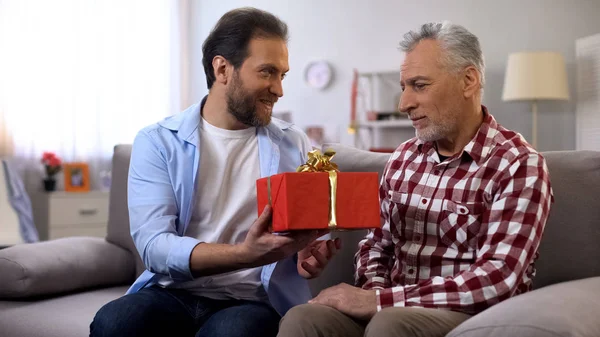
[[77, 177]]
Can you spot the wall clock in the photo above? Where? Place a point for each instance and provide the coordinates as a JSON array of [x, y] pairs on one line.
[[318, 74]]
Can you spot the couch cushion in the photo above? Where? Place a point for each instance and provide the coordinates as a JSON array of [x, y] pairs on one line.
[[63, 265], [118, 216], [350, 159], [569, 249], [568, 309], [67, 316]]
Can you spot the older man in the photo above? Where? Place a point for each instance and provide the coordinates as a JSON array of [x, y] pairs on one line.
[[463, 205]]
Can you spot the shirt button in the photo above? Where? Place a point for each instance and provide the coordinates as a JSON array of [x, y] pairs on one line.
[[424, 201], [418, 238], [436, 172], [411, 271]]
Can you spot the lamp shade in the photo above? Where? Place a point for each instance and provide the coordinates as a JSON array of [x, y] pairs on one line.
[[535, 76]]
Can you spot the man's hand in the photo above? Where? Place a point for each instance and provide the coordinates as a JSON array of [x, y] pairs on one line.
[[262, 247], [313, 259], [352, 301]]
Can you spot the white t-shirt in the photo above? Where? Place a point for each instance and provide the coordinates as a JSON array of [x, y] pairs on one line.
[[226, 207]]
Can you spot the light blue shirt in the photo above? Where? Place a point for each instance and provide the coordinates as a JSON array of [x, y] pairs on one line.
[[162, 193]]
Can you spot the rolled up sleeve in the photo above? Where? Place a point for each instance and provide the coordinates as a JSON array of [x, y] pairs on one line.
[[153, 212]]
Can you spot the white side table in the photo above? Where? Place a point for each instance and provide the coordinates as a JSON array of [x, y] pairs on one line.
[[63, 214]]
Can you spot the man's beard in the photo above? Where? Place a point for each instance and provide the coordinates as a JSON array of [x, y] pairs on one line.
[[243, 105], [439, 128], [432, 133]]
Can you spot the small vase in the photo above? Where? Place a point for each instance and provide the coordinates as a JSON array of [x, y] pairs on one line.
[[49, 184]]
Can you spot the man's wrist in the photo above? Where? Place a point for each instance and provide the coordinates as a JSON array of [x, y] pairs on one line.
[[243, 256]]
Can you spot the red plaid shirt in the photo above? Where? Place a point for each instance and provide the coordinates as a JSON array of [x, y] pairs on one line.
[[462, 234]]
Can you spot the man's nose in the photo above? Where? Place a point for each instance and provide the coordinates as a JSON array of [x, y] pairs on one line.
[[277, 88], [407, 101]]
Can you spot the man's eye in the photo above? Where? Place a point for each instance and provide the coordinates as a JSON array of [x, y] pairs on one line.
[[420, 86]]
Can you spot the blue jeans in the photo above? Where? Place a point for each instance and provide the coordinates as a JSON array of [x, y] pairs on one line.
[[156, 311]]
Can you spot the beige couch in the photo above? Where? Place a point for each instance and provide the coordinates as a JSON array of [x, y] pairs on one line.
[[54, 288]]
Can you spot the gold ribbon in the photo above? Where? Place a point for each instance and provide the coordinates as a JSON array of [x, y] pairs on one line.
[[332, 199], [270, 199], [269, 190], [321, 162]]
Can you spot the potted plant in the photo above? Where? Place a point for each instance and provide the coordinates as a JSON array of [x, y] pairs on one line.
[[52, 165]]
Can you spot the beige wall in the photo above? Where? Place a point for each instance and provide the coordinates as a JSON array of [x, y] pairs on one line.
[[365, 35]]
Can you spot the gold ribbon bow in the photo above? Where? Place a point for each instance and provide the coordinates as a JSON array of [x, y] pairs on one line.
[[321, 162]]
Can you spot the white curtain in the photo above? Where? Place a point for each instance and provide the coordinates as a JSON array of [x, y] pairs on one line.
[[78, 77]]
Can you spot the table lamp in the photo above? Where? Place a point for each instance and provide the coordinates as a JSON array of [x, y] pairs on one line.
[[534, 76]]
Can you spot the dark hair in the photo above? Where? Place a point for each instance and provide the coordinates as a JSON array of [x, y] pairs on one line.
[[232, 34]]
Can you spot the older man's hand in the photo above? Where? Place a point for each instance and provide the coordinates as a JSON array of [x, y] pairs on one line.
[[352, 301], [313, 259]]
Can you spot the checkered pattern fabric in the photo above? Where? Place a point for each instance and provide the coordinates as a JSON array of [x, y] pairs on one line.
[[462, 234]]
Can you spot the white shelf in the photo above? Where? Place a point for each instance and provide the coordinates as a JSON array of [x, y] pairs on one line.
[[375, 88], [401, 123], [385, 77], [587, 51], [380, 73]]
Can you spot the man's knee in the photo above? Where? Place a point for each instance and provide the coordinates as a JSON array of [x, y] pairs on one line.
[[401, 322], [130, 315], [304, 320], [108, 321], [247, 320], [317, 320], [394, 322], [305, 315]]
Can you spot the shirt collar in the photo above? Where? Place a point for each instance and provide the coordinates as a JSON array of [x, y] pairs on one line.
[[187, 123], [479, 146]]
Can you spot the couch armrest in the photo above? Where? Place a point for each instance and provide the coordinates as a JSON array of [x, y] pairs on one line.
[[563, 309], [62, 265]]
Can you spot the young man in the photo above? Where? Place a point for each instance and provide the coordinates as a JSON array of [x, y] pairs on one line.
[[192, 200], [464, 205]]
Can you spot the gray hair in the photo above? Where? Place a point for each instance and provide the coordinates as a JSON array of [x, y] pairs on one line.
[[461, 46]]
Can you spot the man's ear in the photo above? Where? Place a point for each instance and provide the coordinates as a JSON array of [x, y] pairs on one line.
[[471, 82], [221, 69]]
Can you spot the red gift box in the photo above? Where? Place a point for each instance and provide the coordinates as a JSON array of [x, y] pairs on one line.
[[303, 200]]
